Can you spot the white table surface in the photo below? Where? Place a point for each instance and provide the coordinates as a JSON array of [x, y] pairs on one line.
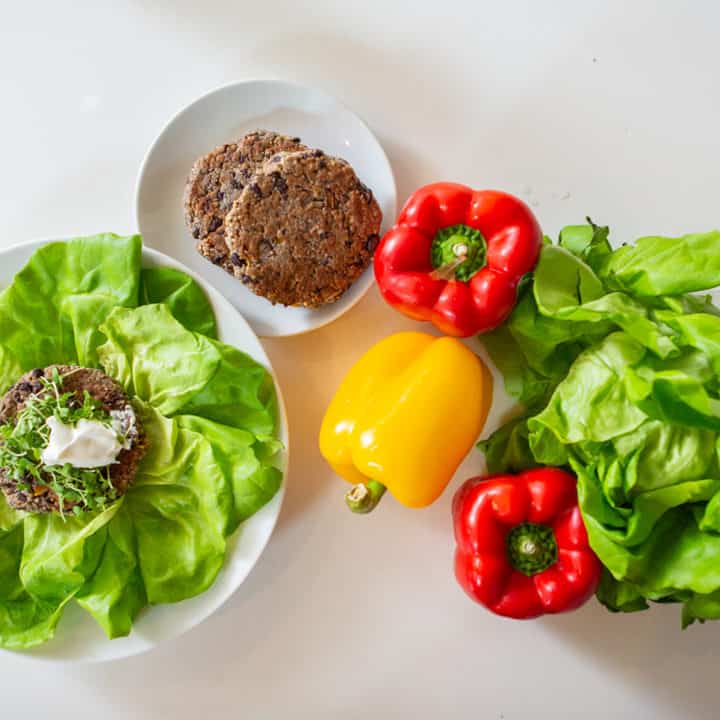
[[604, 108]]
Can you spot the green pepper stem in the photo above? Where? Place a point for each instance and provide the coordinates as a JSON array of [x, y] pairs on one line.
[[447, 271], [532, 548], [364, 497], [457, 252]]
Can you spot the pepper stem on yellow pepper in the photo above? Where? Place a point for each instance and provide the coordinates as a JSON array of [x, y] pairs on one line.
[[364, 497]]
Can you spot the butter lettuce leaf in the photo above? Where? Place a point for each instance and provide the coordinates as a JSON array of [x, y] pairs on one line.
[[44, 561], [179, 505], [183, 297], [60, 553], [52, 311], [182, 372], [115, 593], [246, 461], [25, 621], [508, 449], [654, 266]]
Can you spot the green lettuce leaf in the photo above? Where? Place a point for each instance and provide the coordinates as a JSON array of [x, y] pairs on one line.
[[508, 449], [115, 593], [565, 311], [700, 331], [588, 242], [594, 378], [25, 621], [701, 607], [665, 266], [245, 461], [9, 517], [59, 554], [534, 351], [181, 372], [567, 289], [61, 296], [180, 505], [44, 561], [619, 596], [185, 299]]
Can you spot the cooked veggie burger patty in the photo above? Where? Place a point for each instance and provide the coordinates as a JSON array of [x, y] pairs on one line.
[[65, 397], [217, 179], [303, 230]]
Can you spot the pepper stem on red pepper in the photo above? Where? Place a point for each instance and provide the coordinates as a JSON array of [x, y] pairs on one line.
[[457, 252], [364, 497], [532, 548]]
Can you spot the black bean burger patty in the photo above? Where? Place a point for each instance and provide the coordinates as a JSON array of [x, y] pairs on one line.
[[303, 230], [217, 179], [75, 379]]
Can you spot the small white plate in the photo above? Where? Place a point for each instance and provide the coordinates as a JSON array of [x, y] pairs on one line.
[[225, 115], [78, 636]]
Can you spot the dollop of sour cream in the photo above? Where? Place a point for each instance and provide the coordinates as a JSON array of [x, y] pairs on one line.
[[87, 444]]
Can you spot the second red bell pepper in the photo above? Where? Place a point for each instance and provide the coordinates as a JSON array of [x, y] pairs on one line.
[[456, 256], [522, 547]]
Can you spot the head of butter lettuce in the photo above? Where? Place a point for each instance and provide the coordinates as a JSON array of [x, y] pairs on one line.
[[209, 412], [616, 358]]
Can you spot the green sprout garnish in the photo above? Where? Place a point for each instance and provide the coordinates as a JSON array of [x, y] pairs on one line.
[[22, 443]]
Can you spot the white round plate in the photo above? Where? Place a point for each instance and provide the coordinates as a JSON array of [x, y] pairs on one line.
[[78, 636], [225, 115]]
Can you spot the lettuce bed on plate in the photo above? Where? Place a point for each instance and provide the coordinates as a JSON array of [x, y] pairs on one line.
[[618, 366], [209, 412]]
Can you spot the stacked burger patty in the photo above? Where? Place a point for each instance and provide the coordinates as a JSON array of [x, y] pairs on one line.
[[291, 223]]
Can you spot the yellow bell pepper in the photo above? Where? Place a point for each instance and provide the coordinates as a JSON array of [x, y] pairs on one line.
[[404, 418]]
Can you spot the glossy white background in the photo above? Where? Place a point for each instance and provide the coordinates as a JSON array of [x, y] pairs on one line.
[[604, 108]]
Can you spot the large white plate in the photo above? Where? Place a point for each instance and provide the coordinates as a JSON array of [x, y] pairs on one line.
[[225, 115], [78, 636]]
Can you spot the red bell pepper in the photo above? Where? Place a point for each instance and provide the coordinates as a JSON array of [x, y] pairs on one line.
[[522, 547], [456, 256]]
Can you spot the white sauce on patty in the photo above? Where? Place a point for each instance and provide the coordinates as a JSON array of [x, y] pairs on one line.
[[88, 444]]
